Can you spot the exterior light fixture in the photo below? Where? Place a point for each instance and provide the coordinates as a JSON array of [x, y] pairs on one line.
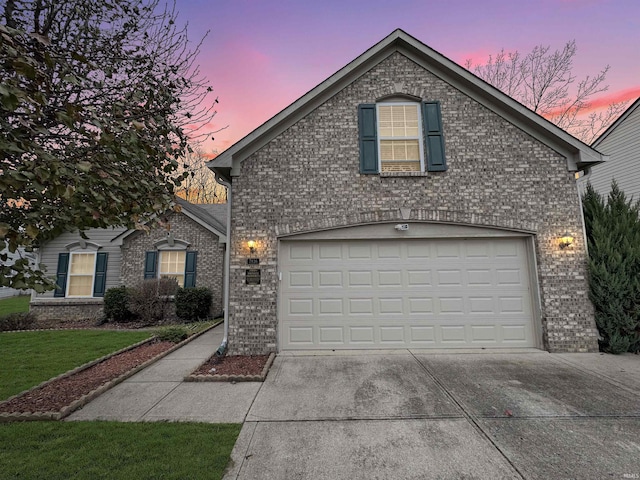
[[252, 246], [566, 240]]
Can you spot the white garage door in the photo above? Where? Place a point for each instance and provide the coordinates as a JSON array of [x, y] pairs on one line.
[[435, 293]]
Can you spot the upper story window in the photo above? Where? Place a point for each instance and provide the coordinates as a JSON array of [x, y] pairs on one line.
[[401, 137]]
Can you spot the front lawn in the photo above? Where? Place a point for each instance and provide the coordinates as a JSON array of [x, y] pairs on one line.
[[110, 450], [17, 304], [29, 358]]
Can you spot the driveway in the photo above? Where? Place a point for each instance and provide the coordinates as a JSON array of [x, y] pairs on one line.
[[415, 415]]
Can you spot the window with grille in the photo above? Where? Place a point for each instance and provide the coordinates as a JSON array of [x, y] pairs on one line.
[[81, 274], [400, 137], [172, 265]]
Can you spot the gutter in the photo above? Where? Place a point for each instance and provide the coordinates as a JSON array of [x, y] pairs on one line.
[[227, 257]]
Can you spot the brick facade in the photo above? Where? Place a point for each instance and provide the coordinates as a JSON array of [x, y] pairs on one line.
[[210, 255], [64, 309], [307, 179]]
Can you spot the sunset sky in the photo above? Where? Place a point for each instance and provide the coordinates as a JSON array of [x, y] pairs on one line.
[[260, 56]]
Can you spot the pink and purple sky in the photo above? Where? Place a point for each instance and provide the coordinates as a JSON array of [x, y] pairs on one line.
[[260, 56]]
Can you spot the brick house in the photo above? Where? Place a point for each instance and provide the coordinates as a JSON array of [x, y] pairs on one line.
[[405, 203], [192, 252]]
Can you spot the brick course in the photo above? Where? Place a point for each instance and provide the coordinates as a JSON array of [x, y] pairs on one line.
[[308, 179]]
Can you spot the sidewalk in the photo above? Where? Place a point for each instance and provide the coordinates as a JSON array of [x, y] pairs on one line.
[[158, 393]]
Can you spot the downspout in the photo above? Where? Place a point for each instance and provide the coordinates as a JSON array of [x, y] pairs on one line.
[[227, 269]]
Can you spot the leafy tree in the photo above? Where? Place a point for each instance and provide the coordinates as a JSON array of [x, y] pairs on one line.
[[543, 81], [199, 185], [94, 100], [613, 235]]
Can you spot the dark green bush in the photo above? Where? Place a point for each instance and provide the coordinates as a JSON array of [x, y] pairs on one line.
[[17, 321], [613, 235], [171, 334], [193, 304], [116, 305]]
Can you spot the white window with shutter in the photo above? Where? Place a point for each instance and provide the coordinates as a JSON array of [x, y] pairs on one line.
[[81, 274], [400, 137]]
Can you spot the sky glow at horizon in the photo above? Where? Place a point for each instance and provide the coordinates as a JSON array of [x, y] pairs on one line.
[[260, 56]]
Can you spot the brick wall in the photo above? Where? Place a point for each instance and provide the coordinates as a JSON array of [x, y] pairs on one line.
[[210, 260], [65, 309], [308, 179]]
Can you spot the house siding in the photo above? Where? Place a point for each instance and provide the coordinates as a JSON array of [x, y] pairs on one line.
[[623, 146], [308, 179], [210, 260], [48, 253]]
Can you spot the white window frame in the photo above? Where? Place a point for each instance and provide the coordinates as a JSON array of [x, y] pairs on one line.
[[184, 268], [420, 136], [93, 273]]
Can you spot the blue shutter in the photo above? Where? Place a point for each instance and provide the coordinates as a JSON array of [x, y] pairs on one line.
[[101, 275], [61, 275], [190, 270], [433, 137], [150, 264], [368, 138]]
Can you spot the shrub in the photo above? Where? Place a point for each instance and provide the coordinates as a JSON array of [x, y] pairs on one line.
[[116, 305], [613, 235], [17, 321], [171, 334], [193, 304], [151, 300]]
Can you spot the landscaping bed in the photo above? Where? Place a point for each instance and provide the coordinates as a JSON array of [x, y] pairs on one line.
[[240, 368], [60, 396]]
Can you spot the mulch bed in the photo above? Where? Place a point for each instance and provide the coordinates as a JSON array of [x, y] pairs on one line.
[[57, 394], [233, 365]]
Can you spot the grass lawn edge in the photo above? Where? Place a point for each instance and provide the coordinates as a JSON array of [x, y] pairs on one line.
[[67, 410]]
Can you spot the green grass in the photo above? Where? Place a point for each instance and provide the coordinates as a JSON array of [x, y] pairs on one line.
[[110, 450], [29, 358], [14, 304]]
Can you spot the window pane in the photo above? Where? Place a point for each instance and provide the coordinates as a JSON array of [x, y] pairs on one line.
[[399, 150], [82, 263], [80, 286], [398, 120]]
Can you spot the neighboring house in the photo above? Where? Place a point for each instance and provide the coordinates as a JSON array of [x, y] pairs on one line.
[[192, 251], [405, 203], [621, 142]]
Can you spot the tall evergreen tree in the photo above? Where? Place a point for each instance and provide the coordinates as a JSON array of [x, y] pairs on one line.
[[613, 235]]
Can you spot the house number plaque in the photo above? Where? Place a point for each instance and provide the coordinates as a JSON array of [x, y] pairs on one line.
[[253, 261], [253, 276]]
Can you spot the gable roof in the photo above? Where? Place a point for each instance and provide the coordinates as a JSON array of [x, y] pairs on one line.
[[578, 154], [615, 124], [211, 217]]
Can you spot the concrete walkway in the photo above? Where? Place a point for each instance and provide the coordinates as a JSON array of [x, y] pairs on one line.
[[158, 393]]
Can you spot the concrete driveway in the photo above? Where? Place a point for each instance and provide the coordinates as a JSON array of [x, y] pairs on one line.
[[416, 415]]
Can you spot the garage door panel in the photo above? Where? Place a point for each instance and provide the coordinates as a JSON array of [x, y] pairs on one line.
[[408, 293]]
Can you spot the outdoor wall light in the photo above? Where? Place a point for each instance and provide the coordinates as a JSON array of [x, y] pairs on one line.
[[252, 246], [566, 240]]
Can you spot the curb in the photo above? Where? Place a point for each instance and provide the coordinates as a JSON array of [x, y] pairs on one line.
[[82, 401], [232, 378]]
